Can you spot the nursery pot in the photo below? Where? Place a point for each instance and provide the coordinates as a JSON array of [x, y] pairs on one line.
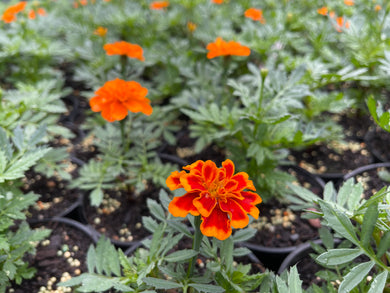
[[368, 176], [280, 230], [377, 141], [61, 255]]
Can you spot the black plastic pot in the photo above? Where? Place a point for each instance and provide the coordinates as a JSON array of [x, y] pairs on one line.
[[377, 141]]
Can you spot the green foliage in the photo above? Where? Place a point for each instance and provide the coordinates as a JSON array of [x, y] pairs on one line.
[[17, 155], [381, 117], [364, 223], [127, 158]]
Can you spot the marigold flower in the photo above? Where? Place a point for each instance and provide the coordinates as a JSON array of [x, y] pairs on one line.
[[218, 195], [223, 48], [323, 10], [100, 31], [9, 15], [349, 2], [191, 26], [158, 5], [255, 14], [124, 48], [117, 97], [217, 1], [32, 14], [377, 7], [340, 23]]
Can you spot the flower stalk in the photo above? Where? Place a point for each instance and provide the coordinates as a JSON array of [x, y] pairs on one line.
[[198, 236]]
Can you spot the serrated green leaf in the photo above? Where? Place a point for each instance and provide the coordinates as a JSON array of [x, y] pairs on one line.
[[294, 282], [180, 227], [181, 255], [207, 288], [339, 256], [345, 192], [378, 283], [17, 138], [96, 197], [355, 276], [91, 259], [161, 284], [339, 222], [3, 161], [155, 209], [368, 225], [384, 244], [243, 234], [329, 192]]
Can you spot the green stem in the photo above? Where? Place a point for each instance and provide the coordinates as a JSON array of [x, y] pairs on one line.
[[195, 246], [123, 62]]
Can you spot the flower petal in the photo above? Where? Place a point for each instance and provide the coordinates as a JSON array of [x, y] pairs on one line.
[[181, 206], [216, 225], [249, 202], [228, 166], [192, 182], [243, 181], [173, 180], [209, 172], [238, 216], [205, 204]]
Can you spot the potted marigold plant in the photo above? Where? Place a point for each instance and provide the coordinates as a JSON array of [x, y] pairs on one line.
[[215, 200]]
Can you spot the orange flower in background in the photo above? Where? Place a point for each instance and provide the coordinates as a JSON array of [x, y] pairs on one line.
[[158, 5], [124, 48], [40, 11], [191, 26], [349, 2], [223, 48], [340, 23], [9, 15], [255, 14], [332, 14], [100, 31], [377, 7], [323, 10], [117, 97], [217, 1], [216, 194]]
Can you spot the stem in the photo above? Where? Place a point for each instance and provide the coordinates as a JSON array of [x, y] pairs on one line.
[[195, 246], [123, 61]]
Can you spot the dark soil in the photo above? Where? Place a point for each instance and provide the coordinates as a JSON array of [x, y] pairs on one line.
[[127, 216], [370, 179], [55, 198], [378, 141], [49, 264]]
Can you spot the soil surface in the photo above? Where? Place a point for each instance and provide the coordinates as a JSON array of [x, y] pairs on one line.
[[63, 255]]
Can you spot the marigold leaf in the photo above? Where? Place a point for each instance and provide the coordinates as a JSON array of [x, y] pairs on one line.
[[355, 276], [161, 283], [339, 256], [369, 221], [379, 283]]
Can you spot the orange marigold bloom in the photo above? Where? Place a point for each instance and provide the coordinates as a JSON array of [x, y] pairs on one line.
[[217, 1], [349, 2], [9, 15], [340, 23], [117, 97], [332, 14], [255, 14], [124, 48], [377, 7], [222, 48], [32, 14], [323, 10], [83, 2], [158, 5], [41, 11], [218, 195], [100, 31]]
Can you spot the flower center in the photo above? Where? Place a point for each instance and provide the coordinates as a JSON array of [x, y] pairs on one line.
[[217, 190]]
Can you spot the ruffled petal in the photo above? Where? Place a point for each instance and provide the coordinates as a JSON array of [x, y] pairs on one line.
[[216, 225], [209, 172], [238, 216], [118, 111], [195, 168], [243, 181], [95, 104], [228, 166], [192, 182], [249, 202], [205, 204], [173, 180], [139, 106], [181, 206]]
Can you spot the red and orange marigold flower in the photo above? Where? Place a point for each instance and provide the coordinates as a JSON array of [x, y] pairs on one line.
[[220, 197], [159, 5], [223, 48], [125, 48], [9, 15], [117, 97], [255, 14]]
